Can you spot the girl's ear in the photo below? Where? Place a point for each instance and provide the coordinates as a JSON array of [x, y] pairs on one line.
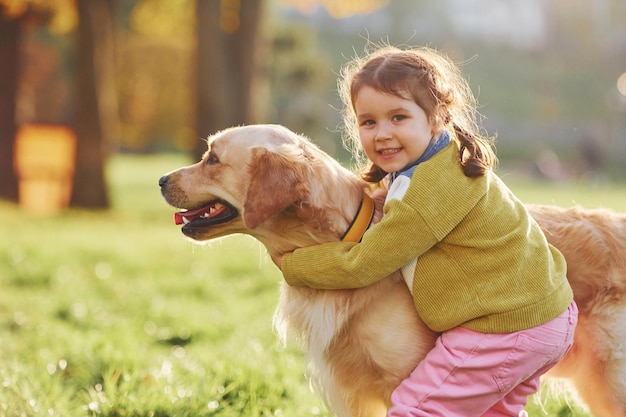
[[440, 118], [446, 117]]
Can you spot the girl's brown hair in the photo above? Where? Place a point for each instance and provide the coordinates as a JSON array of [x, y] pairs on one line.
[[436, 84]]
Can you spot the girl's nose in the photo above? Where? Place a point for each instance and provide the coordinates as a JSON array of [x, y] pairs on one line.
[[383, 133]]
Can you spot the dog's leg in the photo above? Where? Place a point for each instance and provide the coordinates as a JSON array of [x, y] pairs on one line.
[[596, 365], [370, 406], [603, 386], [601, 399]]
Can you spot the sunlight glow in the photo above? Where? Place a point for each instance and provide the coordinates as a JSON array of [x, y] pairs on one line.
[[621, 84], [337, 8]]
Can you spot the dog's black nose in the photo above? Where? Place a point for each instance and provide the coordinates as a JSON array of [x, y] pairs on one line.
[[163, 180]]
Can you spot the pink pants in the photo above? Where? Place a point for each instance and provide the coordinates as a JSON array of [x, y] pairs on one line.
[[469, 374]]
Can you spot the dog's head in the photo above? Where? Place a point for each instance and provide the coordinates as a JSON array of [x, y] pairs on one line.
[[252, 173]]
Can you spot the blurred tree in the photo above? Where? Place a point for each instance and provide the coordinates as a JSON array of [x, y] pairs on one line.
[[9, 47], [95, 115], [96, 108], [154, 75], [226, 63], [15, 14], [300, 83]]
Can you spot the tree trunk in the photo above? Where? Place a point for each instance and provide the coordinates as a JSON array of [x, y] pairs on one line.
[[9, 49], [96, 117], [227, 52]]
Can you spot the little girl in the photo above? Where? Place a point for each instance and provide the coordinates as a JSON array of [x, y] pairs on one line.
[[478, 266]]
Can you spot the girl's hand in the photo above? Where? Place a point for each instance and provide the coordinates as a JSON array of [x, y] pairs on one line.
[[278, 260]]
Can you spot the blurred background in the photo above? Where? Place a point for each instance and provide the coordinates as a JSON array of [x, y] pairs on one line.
[[82, 81], [105, 310]]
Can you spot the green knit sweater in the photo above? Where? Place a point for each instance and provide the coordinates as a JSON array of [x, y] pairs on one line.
[[483, 262]]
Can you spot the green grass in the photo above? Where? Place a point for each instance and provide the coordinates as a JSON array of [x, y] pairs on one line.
[[568, 194], [115, 314]]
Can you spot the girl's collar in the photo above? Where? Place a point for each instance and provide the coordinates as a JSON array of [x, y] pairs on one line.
[[433, 148]]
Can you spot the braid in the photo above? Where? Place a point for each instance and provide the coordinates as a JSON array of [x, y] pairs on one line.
[[475, 153]]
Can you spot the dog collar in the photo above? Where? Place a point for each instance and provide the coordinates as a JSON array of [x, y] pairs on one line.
[[361, 221]]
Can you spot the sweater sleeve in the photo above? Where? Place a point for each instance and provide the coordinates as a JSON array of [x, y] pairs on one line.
[[437, 199], [387, 246]]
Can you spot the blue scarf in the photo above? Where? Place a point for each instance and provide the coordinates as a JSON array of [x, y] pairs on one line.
[[433, 147]]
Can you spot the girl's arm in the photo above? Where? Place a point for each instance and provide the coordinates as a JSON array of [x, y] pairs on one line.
[[401, 236], [438, 197]]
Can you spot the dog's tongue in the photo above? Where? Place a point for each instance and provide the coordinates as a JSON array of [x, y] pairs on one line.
[[211, 210]]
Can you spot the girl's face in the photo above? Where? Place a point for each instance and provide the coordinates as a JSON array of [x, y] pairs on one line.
[[394, 131]]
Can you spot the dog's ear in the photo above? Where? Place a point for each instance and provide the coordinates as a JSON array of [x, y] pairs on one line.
[[275, 184]]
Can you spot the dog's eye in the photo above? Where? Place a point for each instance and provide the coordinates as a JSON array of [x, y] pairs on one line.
[[212, 159]]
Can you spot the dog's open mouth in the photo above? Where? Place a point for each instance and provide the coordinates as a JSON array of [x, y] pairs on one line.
[[215, 212]]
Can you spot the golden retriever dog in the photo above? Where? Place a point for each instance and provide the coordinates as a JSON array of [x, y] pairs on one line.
[[275, 185]]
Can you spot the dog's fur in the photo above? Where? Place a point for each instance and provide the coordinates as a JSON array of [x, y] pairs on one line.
[[361, 343]]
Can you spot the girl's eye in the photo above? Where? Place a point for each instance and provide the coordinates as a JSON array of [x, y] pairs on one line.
[[398, 117], [368, 122], [212, 159]]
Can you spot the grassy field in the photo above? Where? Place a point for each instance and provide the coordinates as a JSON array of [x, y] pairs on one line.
[[115, 314]]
